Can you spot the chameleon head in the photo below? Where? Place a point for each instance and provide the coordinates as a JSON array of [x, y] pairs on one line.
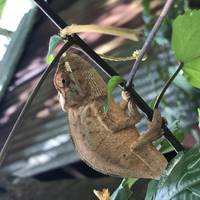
[[76, 81], [69, 82]]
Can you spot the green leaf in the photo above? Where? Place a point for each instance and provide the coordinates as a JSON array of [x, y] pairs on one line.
[[152, 102], [146, 11], [111, 85], [106, 105], [123, 192], [192, 72], [186, 36], [152, 186], [53, 43], [2, 5], [199, 115], [163, 145], [182, 177], [50, 59], [185, 44]]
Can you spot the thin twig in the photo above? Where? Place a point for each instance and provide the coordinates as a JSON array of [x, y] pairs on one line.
[[168, 83], [29, 101], [149, 39]]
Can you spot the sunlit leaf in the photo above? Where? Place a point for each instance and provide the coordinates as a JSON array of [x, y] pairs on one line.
[[192, 72], [2, 5], [185, 43], [50, 59], [123, 192], [186, 36], [53, 43], [112, 84]]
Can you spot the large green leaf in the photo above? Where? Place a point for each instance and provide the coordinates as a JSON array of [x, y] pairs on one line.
[[111, 85], [123, 192], [192, 71], [186, 43], [182, 177], [186, 36]]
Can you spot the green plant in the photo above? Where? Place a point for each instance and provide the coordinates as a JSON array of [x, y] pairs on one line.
[[182, 177]]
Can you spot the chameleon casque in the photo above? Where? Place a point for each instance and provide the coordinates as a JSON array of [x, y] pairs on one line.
[[108, 142]]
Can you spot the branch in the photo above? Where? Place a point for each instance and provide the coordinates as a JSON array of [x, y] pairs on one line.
[[29, 101], [168, 83], [149, 39], [5, 32]]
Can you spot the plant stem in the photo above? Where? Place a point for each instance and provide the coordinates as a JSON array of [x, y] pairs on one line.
[[167, 84], [5, 32], [109, 30], [29, 101], [149, 39]]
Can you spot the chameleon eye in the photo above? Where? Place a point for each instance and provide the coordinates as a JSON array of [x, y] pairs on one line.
[[62, 80], [65, 82]]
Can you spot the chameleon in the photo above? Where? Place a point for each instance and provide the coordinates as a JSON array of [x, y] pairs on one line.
[[108, 142]]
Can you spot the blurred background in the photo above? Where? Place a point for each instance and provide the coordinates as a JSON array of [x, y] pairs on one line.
[[41, 157]]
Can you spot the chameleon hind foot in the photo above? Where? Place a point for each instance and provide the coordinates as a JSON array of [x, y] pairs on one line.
[[153, 132]]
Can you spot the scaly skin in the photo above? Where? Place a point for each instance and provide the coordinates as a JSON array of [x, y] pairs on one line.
[[108, 142]]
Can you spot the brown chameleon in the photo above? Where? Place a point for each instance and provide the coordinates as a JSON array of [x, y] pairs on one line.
[[108, 142]]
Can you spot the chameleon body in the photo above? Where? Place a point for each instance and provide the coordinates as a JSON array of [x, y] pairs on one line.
[[108, 142]]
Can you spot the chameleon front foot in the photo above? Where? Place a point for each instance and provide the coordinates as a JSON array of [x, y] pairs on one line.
[[153, 132], [125, 103]]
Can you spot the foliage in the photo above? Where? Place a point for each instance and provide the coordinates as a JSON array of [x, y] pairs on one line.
[[185, 43], [181, 179], [151, 189], [2, 5], [53, 43], [124, 190], [163, 145], [111, 85], [199, 116]]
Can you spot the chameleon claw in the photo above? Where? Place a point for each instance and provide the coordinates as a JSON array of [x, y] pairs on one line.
[[125, 95]]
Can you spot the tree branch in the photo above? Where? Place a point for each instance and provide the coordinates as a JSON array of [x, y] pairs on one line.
[[148, 41]]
